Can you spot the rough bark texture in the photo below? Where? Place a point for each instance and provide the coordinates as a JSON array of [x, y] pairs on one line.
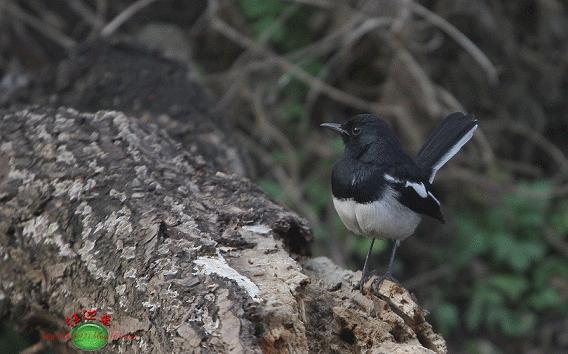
[[104, 210], [133, 80], [101, 210]]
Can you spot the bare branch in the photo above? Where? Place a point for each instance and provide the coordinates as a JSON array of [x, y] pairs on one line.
[[124, 16]]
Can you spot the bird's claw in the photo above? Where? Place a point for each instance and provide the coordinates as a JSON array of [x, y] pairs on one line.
[[379, 280]]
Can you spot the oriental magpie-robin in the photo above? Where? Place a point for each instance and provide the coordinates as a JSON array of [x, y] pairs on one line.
[[381, 192]]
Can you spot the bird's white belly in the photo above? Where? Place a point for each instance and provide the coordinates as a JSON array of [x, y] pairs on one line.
[[386, 218]]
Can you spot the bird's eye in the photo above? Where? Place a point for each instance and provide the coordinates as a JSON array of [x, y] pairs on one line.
[[356, 131]]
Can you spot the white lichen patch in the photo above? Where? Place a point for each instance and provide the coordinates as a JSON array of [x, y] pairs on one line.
[[73, 188], [86, 212], [188, 224], [118, 195], [65, 156], [88, 258], [117, 224], [120, 289], [6, 147], [151, 306], [131, 273], [89, 185], [25, 176], [258, 229], [218, 265], [141, 171], [167, 267], [94, 149], [128, 253], [96, 168], [141, 284], [40, 230], [88, 246], [64, 123], [42, 133]]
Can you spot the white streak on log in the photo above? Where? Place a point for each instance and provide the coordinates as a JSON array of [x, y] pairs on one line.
[[259, 229], [218, 265]]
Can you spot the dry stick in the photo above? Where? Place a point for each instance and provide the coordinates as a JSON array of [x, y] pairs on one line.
[[425, 85], [351, 37], [538, 139], [428, 277], [124, 16], [296, 71], [42, 27], [265, 124], [446, 27], [316, 3], [459, 37], [317, 48], [235, 66], [293, 194], [101, 11], [85, 12], [521, 167]]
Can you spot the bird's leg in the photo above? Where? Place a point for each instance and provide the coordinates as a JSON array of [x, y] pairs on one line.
[[388, 273], [364, 275]]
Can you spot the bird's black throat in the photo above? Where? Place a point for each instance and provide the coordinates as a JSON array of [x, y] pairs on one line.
[[353, 179]]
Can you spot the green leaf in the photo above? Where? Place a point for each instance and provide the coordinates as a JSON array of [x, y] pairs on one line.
[[544, 299], [516, 324], [502, 245], [446, 316], [360, 245], [512, 286], [292, 110], [258, 8], [484, 301], [559, 220], [272, 188], [470, 241]]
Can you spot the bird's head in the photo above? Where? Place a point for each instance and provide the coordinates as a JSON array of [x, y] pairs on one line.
[[363, 131]]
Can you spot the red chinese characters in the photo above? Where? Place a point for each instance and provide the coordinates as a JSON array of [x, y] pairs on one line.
[[74, 320], [105, 319], [90, 315]]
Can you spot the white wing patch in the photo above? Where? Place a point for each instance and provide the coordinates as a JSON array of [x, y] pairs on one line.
[[434, 198], [392, 179], [454, 150], [417, 186]]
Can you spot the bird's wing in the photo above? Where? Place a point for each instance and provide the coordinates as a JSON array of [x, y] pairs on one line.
[[445, 141], [416, 195]]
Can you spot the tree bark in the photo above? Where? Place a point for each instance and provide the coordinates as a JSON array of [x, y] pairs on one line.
[[103, 211]]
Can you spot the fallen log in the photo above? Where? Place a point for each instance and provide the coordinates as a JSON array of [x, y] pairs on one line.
[[105, 211]]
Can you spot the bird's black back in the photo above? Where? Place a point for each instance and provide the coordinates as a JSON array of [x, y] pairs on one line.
[[376, 151]]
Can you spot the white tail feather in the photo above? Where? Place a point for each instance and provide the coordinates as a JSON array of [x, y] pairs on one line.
[[454, 150]]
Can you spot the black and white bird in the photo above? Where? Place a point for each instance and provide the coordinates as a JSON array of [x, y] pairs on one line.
[[379, 191]]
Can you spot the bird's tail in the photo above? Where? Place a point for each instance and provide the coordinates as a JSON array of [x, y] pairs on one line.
[[446, 141]]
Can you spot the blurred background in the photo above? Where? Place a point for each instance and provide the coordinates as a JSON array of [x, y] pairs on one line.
[[495, 276]]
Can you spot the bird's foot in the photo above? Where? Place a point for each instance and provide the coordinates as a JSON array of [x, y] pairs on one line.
[[362, 282], [379, 280]]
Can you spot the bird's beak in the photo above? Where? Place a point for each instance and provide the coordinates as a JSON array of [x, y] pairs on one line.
[[335, 126]]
